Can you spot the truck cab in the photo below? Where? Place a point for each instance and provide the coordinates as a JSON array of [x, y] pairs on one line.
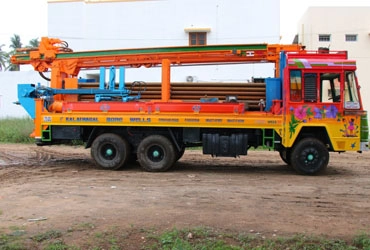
[[322, 105]]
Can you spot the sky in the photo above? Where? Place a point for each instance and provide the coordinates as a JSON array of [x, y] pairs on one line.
[[28, 18]]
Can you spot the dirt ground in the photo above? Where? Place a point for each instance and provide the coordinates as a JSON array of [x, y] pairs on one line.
[[58, 187]]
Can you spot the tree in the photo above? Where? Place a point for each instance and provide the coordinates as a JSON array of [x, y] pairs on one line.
[[15, 43], [33, 43], [4, 57]]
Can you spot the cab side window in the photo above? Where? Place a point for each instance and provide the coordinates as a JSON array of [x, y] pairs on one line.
[[330, 87], [295, 85]]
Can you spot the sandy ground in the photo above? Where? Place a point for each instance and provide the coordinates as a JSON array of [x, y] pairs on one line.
[[58, 187]]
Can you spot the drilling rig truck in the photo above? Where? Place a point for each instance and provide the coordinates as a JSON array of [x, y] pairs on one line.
[[310, 106]]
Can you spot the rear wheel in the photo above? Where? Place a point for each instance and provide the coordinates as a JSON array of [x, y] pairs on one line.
[[309, 156], [110, 151], [156, 153]]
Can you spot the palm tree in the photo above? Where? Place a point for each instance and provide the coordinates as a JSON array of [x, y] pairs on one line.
[[15, 43], [33, 43], [4, 57]]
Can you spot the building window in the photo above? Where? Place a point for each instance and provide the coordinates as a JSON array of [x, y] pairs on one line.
[[197, 38], [351, 38], [324, 38]]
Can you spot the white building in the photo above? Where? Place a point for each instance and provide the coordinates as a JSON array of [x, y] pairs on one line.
[[113, 24], [106, 24], [341, 28]]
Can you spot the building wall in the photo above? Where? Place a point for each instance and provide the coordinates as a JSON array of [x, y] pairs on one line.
[[97, 25], [337, 22], [119, 24], [141, 23], [9, 93]]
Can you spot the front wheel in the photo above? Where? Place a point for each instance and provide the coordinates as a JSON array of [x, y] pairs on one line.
[[285, 155], [110, 151], [309, 156], [156, 153]]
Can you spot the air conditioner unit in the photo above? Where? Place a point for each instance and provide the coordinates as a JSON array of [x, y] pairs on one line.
[[189, 79]]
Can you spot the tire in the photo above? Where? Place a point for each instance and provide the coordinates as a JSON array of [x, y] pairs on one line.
[[156, 153], [309, 157], [110, 151], [285, 156]]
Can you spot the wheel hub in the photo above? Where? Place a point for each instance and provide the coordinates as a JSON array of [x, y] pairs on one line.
[[109, 152], [156, 154], [310, 157]]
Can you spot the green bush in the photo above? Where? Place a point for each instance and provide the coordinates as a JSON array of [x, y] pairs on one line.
[[362, 241], [16, 130]]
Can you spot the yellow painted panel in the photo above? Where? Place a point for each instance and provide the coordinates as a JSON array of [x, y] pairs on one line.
[[163, 120]]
